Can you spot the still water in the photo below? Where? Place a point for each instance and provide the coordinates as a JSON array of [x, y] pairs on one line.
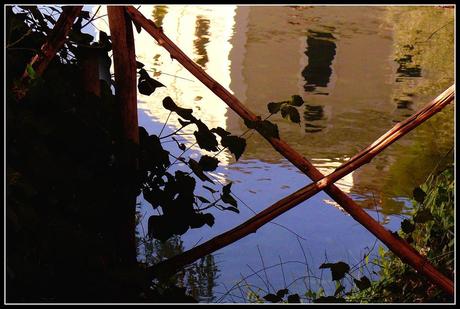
[[359, 69]]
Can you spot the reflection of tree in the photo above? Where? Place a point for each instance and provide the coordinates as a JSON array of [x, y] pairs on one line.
[[159, 13], [425, 68], [199, 278], [202, 38]]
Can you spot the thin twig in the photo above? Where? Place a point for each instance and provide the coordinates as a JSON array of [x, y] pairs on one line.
[[431, 35], [306, 262], [255, 273], [282, 271], [164, 125], [263, 265], [92, 17], [20, 39]]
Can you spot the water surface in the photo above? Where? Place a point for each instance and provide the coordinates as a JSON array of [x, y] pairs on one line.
[[360, 71]]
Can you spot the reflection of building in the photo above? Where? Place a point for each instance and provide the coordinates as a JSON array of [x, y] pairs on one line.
[[263, 54], [320, 54], [337, 58], [203, 33], [274, 67], [266, 54]]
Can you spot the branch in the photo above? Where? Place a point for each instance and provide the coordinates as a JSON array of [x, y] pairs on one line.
[[400, 248], [54, 42]]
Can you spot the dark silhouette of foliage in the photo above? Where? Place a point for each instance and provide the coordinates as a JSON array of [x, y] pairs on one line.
[[67, 181]]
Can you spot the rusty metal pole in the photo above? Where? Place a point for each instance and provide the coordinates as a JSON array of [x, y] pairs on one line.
[[124, 58]]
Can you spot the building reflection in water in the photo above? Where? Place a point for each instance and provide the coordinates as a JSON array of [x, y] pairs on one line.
[[320, 54], [203, 33]]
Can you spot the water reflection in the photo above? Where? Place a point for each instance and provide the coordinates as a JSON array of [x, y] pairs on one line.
[[264, 54], [313, 113], [405, 68], [202, 39], [199, 278], [403, 104], [320, 53], [407, 73], [357, 74], [159, 12], [202, 33], [340, 59]]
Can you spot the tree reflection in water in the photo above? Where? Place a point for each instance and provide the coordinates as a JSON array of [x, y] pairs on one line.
[[199, 278], [202, 39]]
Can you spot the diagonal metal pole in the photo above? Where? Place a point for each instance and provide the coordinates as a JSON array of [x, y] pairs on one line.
[[398, 246]]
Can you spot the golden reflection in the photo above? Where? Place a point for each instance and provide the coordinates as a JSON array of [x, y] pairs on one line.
[[327, 166], [203, 33], [202, 39], [159, 13]]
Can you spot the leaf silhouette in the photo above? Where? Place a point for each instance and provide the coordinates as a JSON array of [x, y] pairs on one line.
[[210, 189], [272, 298], [185, 113], [407, 226], [281, 293], [274, 107], [296, 100], [146, 84], [198, 220], [363, 283], [226, 197], [208, 163], [235, 144], [291, 113], [197, 170], [293, 298], [204, 137], [234, 209], [264, 127], [202, 199], [419, 195], [338, 269], [219, 131]]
